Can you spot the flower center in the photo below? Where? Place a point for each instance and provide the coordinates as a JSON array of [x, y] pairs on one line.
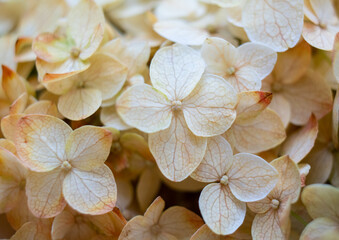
[[230, 70], [275, 203], [75, 52], [277, 87], [224, 180], [66, 165], [176, 105]]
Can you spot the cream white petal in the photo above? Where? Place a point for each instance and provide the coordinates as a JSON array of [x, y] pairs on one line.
[[221, 211], [90, 192], [40, 141], [44, 192], [176, 70], [143, 107], [217, 161], [210, 109], [274, 23], [251, 178], [177, 151]]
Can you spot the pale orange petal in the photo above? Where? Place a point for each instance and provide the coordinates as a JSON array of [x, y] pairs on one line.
[[267, 226], [209, 110], [109, 117], [282, 107], [9, 125], [44, 192], [88, 147], [222, 212], [300, 143], [33, 231], [177, 151], [217, 161], [145, 108], [12, 83], [41, 141], [257, 134], [90, 192], [277, 24], [180, 222]]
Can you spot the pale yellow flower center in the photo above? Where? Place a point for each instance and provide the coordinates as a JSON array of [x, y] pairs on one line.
[[176, 105], [156, 229], [230, 70], [224, 180], [75, 52], [66, 165], [275, 203], [277, 87]]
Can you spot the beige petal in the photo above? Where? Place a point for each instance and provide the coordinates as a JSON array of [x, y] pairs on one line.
[[33, 231], [180, 31], [310, 94], [293, 64], [8, 145], [90, 192], [71, 225], [147, 187], [335, 172], [20, 214], [134, 54], [88, 147], [277, 24], [177, 151], [12, 83], [321, 228], [176, 70], [180, 222], [19, 105], [251, 104], [261, 58], [266, 226], [300, 143], [289, 183], [259, 134], [318, 37], [44, 192], [80, 103], [222, 212], [145, 108], [40, 141], [44, 107], [105, 74], [251, 178], [210, 108], [109, 117], [261, 206], [52, 48], [126, 192], [136, 143], [86, 25], [216, 162], [321, 200], [282, 107]]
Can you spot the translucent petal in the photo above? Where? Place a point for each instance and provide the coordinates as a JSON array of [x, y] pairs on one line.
[[90, 192], [299, 143], [251, 178], [266, 226], [44, 192], [217, 161], [221, 211], [177, 151], [275, 23], [80, 103], [176, 70], [109, 117], [41, 141], [88, 147], [145, 108], [321, 228], [210, 108], [13, 84]]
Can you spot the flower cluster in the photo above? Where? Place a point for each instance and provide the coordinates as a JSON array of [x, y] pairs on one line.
[[228, 110]]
